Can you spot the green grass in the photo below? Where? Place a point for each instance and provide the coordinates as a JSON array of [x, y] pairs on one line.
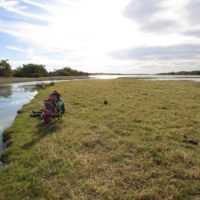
[[136, 147]]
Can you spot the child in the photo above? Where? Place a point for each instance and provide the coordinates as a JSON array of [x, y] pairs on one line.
[[46, 115], [55, 96]]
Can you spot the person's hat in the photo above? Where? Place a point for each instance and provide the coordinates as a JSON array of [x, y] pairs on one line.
[[56, 93]]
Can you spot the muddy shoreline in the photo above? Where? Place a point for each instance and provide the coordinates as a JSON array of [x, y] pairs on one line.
[[6, 80]]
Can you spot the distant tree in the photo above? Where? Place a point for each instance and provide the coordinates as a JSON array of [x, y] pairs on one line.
[[5, 68], [31, 70], [182, 73], [67, 71]]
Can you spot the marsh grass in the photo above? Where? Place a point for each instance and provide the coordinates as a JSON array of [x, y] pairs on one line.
[[132, 148]]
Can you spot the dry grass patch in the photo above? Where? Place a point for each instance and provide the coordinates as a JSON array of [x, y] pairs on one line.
[[137, 146]]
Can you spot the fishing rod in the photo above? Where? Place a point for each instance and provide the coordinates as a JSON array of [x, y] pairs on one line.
[[18, 91], [28, 96]]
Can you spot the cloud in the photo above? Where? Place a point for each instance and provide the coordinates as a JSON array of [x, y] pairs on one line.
[[11, 5], [166, 66], [159, 25], [175, 52], [192, 19], [152, 15], [142, 10], [34, 3], [193, 9], [195, 33], [13, 48], [15, 7], [82, 33], [77, 33]]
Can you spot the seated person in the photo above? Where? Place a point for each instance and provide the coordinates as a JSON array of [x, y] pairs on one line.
[[49, 111], [56, 97], [53, 107], [38, 113]]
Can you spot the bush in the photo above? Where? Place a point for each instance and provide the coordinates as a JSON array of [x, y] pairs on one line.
[[67, 71], [5, 68], [31, 70]]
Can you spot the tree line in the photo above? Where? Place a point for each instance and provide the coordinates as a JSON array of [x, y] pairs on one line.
[[181, 73], [35, 70]]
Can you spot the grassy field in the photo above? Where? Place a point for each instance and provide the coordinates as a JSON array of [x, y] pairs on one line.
[[4, 80], [142, 145]]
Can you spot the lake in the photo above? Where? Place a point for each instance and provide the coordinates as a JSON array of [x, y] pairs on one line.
[[151, 77]]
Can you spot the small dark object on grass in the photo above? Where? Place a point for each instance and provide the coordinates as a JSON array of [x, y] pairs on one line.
[[35, 114], [194, 142], [105, 102]]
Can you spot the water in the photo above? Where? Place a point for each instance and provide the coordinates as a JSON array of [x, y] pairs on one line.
[[151, 77], [12, 98]]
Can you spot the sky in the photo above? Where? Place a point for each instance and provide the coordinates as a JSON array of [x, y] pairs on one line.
[[114, 36]]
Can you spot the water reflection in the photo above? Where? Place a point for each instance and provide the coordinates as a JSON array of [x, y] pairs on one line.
[[195, 78], [5, 91], [12, 98]]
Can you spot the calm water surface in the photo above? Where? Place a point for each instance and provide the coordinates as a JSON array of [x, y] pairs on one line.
[[151, 77], [12, 98]]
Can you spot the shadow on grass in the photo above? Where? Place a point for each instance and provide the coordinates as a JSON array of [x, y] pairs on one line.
[[42, 132]]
